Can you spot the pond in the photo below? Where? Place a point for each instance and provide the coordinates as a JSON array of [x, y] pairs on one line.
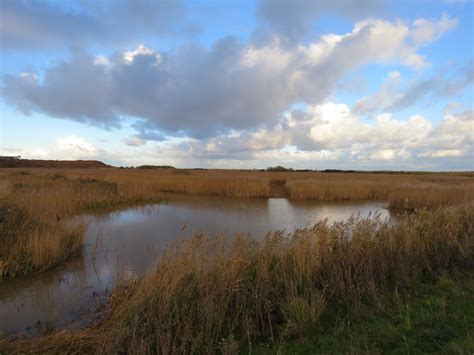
[[127, 244]]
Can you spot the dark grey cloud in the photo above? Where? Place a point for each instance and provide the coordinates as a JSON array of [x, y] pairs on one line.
[[392, 98], [40, 25], [196, 91], [292, 19], [77, 89]]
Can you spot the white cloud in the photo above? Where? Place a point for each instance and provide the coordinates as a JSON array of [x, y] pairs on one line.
[[75, 143], [425, 31], [142, 50], [442, 153], [29, 77], [101, 60], [134, 141]]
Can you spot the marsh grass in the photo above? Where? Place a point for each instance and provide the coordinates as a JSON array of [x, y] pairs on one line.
[[212, 295]]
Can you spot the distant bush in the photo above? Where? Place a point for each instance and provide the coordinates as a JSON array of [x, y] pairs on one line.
[[155, 167], [278, 168]]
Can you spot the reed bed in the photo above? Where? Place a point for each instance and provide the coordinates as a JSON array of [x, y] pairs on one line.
[[30, 245], [339, 190], [47, 197], [203, 185], [141, 183], [35, 230], [421, 191], [225, 295], [410, 198]]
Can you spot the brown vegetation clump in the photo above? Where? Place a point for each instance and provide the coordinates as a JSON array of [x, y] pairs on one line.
[[212, 295]]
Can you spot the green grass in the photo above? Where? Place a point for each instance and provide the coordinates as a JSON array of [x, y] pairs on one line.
[[435, 316]]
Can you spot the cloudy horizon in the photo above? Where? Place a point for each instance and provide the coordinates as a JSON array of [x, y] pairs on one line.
[[365, 85]]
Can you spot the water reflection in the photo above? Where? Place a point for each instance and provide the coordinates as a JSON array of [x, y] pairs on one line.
[[127, 243]]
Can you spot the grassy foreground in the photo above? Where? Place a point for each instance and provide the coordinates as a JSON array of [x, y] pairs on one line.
[[353, 286], [434, 316]]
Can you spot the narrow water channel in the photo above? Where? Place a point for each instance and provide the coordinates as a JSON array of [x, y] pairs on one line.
[[127, 244]]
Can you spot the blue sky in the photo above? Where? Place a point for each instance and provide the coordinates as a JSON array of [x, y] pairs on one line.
[[307, 84]]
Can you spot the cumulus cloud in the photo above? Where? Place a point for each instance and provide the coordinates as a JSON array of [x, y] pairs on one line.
[[393, 97], [331, 131], [319, 136], [37, 24], [200, 91]]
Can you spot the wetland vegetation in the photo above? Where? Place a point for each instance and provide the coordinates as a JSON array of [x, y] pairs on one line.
[[220, 294]]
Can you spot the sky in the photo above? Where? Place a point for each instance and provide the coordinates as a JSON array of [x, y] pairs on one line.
[[307, 84]]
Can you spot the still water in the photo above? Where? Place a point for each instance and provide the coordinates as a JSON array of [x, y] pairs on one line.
[[127, 244]]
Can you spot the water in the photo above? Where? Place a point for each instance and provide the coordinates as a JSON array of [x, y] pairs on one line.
[[127, 244]]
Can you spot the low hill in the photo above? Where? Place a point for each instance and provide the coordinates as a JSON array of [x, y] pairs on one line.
[[15, 162]]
